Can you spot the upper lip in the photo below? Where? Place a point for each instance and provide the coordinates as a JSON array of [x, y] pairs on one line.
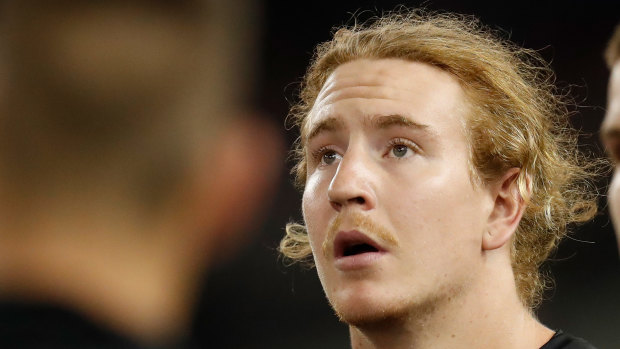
[[347, 239]]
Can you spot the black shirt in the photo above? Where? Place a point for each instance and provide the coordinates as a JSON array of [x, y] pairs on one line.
[[33, 326], [561, 340]]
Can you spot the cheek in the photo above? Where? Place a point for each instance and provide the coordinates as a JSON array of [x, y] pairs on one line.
[[314, 210], [434, 193], [439, 209]]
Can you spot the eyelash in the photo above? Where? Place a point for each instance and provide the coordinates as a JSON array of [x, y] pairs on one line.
[[318, 154], [403, 141]]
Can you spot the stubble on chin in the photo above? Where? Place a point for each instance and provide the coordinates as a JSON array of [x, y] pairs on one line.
[[376, 316], [365, 316]]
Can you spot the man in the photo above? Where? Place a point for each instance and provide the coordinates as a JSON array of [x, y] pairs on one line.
[[439, 172], [122, 169], [610, 130]]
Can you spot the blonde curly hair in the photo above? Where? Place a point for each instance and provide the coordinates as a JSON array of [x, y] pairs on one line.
[[518, 120]]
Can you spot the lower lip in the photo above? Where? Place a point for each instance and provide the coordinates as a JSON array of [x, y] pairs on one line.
[[358, 261]]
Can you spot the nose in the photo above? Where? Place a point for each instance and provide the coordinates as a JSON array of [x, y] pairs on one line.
[[351, 185]]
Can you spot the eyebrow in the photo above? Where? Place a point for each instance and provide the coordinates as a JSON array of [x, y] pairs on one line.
[[329, 124], [387, 121], [379, 122]]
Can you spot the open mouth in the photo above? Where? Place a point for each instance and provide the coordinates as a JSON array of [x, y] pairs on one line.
[[358, 249], [354, 243]]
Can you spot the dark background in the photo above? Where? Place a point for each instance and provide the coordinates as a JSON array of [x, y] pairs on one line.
[[254, 301]]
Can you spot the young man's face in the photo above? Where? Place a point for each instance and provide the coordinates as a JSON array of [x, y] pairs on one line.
[[610, 132], [394, 219]]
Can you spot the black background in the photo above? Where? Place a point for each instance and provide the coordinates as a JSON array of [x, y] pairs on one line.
[[254, 301]]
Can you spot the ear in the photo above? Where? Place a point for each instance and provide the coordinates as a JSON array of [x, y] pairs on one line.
[[507, 210]]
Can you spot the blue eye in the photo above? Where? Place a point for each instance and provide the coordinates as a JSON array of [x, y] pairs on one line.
[[325, 156], [329, 157], [400, 150]]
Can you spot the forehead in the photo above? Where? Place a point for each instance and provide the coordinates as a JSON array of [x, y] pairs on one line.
[[370, 87]]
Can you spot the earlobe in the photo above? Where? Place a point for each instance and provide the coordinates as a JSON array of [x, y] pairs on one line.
[[507, 210]]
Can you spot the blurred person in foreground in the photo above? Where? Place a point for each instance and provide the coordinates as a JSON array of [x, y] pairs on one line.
[[122, 166], [439, 171], [610, 129]]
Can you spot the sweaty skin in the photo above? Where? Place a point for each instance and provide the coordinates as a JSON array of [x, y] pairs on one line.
[[385, 142]]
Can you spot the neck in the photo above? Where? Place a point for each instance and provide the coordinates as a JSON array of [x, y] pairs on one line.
[[488, 314], [126, 274]]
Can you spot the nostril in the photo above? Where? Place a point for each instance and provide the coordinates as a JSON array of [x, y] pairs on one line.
[[336, 205], [359, 200]]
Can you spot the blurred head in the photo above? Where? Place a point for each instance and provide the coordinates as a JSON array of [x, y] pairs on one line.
[[610, 130], [488, 105], [135, 85], [124, 151], [127, 101]]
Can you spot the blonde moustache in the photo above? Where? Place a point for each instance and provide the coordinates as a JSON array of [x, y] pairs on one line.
[[365, 225]]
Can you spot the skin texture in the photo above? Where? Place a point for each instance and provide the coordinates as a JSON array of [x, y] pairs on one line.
[[610, 132], [388, 158]]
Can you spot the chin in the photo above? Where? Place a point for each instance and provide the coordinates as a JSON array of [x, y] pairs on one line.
[[372, 311], [367, 310], [370, 317]]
